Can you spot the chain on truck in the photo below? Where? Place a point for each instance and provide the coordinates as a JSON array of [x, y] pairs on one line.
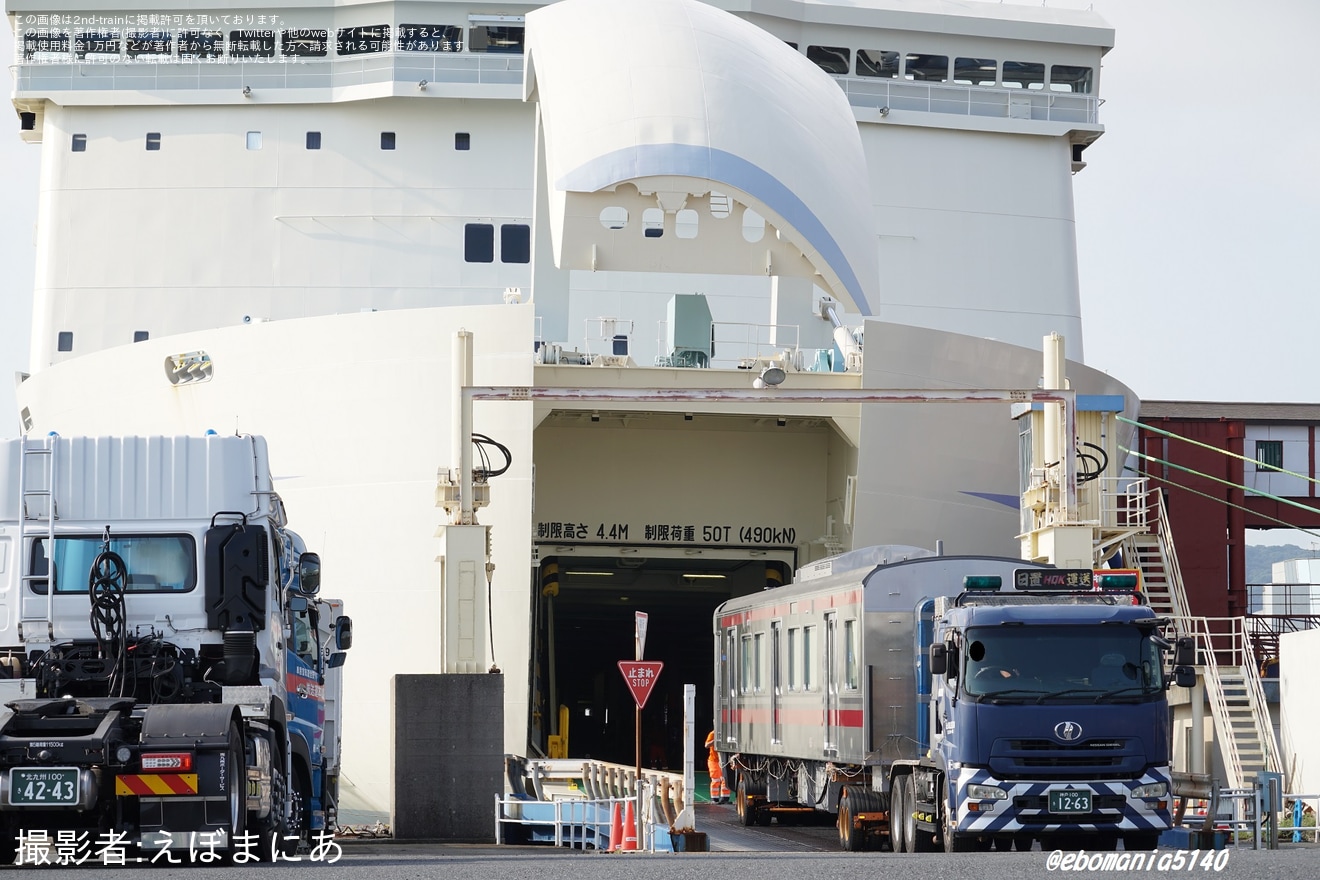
[[927, 708], [170, 674]]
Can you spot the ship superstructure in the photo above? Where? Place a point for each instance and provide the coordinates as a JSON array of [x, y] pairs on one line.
[[276, 219]]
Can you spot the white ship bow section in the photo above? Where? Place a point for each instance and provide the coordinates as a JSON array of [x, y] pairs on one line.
[[651, 124]]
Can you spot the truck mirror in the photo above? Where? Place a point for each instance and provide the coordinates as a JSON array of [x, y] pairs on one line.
[[309, 574], [297, 603], [343, 633], [1184, 676], [336, 660], [1184, 652], [937, 659]]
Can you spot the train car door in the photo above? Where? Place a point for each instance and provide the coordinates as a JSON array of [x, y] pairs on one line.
[[729, 691]]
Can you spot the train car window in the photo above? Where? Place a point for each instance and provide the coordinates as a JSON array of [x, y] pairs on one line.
[[746, 683], [808, 673], [850, 654], [793, 664], [758, 651]]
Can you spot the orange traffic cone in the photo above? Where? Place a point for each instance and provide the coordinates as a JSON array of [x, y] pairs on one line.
[[616, 828], [629, 829]]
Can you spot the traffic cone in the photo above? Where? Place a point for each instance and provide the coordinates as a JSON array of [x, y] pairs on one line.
[[629, 830], [616, 828]]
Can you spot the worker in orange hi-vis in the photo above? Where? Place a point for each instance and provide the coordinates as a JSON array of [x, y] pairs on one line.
[[719, 792]]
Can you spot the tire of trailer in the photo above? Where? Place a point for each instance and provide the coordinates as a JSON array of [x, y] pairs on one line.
[[745, 811], [898, 813], [849, 839]]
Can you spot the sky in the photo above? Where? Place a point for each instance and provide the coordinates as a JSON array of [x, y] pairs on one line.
[[1197, 215]]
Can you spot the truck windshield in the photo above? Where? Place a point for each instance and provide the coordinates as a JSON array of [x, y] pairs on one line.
[[1069, 663], [155, 563]]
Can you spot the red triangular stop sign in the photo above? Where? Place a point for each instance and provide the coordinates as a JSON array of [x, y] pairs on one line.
[[641, 676]]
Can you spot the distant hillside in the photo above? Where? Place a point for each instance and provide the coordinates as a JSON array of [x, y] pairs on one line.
[[1261, 559]]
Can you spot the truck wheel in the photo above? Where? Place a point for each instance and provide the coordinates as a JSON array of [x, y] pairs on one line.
[[237, 829], [953, 843], [898, 813], [300, 814]]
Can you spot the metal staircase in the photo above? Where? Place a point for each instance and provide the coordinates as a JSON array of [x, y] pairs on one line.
[[1243, 730]]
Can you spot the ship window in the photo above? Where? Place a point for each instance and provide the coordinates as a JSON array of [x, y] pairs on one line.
[[685, 223], [305, 43], [975, 71], [254, 140], [479, 243], [79, 144], [462, 140], [313, 140], [201, 45], [363, 40], [753, 226], [45, 45], [1024, 74], [515, 243], [831, 59], [387, 140], [496, 39], [153, 141], [252, 44], [153, 563], [430, 38], [141, 335], [1066, 78], [1269, 454], [65, 341], [614, 217], [877, 62], [653, 223], [927, 68], [148, 45], [97, 46]]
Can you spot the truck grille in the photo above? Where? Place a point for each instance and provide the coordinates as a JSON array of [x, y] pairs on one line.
[[1045, 759]]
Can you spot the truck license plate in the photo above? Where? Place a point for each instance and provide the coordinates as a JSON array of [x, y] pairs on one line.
[[43, 786], [1070, 801]]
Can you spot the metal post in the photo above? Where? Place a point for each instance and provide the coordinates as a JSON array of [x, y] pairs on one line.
[[463, 422], [689, 768]]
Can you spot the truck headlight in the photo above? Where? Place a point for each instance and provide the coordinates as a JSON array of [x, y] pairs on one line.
[[1151, 790], [986, 793]]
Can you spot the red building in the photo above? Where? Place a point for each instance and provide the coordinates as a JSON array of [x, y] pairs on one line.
[[1266, 481]]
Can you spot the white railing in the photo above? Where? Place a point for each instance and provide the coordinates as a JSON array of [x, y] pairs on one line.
[[437, 69], [967, 100]]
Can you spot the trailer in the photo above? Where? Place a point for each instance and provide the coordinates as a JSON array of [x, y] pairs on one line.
[[924, 707]]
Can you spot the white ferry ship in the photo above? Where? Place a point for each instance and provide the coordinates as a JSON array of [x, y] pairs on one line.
[[276, 219]]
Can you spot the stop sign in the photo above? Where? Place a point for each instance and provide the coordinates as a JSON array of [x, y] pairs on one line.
[[641, 676]]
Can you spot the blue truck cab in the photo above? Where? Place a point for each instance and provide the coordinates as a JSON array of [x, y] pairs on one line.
[[1048, 720]]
